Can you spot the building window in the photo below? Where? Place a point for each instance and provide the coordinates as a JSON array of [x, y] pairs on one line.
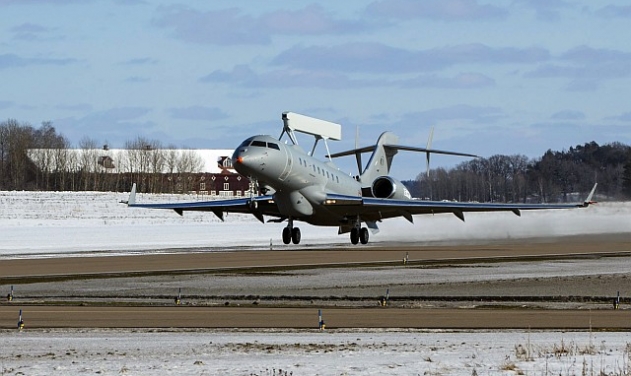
[[226, 186], [202, 186]]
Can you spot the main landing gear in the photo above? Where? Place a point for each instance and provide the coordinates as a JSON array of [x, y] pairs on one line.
[[291, 233], [359, 234]]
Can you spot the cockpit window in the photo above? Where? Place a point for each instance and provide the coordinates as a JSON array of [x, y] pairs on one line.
[[272, 146], [245, 144], [259, 143]]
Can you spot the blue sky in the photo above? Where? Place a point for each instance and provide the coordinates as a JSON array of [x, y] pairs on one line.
[[492, 77]]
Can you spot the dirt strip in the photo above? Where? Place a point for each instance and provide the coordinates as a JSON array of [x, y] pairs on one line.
[[247, 317]]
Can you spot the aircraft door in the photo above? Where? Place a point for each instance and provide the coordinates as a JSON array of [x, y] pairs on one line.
[[288, 165]]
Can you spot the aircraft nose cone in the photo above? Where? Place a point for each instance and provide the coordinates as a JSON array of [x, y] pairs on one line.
[[241, 163]]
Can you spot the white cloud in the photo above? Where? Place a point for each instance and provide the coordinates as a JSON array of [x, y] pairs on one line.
[[380, 58], [234, 27], [445, 10], [15, 61]]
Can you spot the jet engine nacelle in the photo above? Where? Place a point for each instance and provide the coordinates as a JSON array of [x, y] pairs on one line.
[[387, 187]]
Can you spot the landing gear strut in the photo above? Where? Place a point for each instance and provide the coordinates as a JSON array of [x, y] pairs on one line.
[[291, 233]]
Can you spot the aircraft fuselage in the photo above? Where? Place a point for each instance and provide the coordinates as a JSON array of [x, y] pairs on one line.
[[300, 181]]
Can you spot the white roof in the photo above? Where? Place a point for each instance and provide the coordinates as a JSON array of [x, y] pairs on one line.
[[210, 159]]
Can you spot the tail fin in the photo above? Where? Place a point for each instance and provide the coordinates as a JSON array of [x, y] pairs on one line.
[[381, 159]]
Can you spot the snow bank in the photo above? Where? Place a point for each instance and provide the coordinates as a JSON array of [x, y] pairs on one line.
[[40, 223]]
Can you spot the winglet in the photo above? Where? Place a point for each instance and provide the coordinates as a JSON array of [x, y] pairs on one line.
[[588, 201], [132, 197]]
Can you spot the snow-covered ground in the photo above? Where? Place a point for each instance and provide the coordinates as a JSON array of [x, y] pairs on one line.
[[40, 223], [358, 352], [43, 224]]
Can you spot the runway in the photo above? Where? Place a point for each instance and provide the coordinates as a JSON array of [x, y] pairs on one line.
[[183, 261]]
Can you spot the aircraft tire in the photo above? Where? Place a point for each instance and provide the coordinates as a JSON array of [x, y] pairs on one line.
[[354, 235], [364, 235], [295, 235], [286, 235]]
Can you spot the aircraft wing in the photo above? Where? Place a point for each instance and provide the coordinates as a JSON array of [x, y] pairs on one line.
[[375, 209], [257, 206]]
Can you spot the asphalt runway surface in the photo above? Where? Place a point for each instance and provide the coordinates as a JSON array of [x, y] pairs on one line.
[[181, 261], [75, 273]]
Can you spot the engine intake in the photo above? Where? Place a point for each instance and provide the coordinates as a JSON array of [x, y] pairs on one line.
[[387, 187]]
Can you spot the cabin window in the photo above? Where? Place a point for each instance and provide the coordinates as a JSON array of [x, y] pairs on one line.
[[259, 143], [272, 145]]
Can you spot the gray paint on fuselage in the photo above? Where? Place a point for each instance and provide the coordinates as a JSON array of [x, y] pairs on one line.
[[296, 177]]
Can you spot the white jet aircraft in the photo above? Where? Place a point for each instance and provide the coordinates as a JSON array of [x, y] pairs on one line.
[[299, 187]]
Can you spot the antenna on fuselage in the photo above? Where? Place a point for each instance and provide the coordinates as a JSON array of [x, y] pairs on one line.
[[429, 147], [358, 154], [319, 129]]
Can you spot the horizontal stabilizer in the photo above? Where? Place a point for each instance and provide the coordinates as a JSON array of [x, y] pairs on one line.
[[368, 149]]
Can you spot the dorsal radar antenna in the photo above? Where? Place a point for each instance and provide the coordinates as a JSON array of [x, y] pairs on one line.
[[319, 129]]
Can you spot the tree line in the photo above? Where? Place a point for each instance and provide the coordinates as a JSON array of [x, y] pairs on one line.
[[557, 176], [43, 159]]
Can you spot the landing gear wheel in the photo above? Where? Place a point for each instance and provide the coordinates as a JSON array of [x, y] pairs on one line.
[[354, 235], [364, 235], [286, 235], [295, 235]]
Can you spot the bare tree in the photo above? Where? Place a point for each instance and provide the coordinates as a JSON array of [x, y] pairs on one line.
[[189, 163], [16, 140], [87, 162]]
